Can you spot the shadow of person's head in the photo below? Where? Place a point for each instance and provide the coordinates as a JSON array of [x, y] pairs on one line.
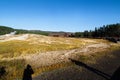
[[28, 66]]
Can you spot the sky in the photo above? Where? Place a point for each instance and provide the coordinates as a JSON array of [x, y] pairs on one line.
[[59, 15]]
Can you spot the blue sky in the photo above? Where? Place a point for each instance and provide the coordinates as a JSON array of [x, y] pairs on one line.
[[59, 15]]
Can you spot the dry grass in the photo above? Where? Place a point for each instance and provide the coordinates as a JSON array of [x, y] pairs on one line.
[[14, 69], [42, 44], [42, 69], [37, 44], [106, 62]]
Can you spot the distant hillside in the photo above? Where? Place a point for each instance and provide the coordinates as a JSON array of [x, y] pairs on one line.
[[5, 30], [111, 30], [21, 31]]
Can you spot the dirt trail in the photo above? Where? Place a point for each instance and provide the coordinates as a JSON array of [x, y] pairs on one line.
[[106, 64], [53, 57], [37, 60], [47, 58]]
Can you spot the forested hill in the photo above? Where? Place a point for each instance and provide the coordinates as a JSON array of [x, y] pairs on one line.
[[111, 30], [5, 30]]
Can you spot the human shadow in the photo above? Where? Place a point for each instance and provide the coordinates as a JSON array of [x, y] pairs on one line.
[[98, 72], [2, 72], [27, 75]]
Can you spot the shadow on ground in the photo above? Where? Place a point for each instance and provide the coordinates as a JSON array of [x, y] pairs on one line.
[[102, 70]]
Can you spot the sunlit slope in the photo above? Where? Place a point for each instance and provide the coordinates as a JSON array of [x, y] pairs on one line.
[[46, 53], [12, 46]]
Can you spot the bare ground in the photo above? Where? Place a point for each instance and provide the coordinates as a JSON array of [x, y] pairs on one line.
[[53, 57], [105, 64]]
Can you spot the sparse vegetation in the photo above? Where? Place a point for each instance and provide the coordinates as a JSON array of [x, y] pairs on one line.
[[50, 67], [11, 53], [33, 45], [105, 61], [14, 69]]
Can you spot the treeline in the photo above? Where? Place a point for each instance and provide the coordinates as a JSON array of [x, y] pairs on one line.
[[20, 31], [112, 30], [5, 30]]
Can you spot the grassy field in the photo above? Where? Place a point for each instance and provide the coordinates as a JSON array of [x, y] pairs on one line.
[[17, 48], [11, 50], [36, 44]]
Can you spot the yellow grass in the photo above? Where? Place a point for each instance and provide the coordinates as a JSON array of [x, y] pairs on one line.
[[37, 44], [15, 48]]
